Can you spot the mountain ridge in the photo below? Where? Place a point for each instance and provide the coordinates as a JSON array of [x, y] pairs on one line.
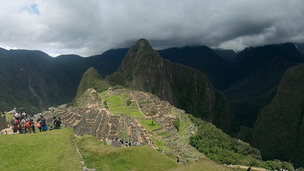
[[187, 88]]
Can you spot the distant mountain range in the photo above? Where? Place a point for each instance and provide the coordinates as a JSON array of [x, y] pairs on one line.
[[35, 81], [184, 87], [243, 85]]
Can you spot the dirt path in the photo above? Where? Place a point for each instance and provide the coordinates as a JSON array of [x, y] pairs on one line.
[[246, 167]]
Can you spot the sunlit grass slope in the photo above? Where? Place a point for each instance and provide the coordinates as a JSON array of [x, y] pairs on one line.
[[51, 150], [101, 156]]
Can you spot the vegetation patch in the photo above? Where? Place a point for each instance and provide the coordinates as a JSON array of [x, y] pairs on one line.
[[51, 150], [203, 165], [101, 156], [120, 104], [220, 147], [161, 145], [149, 125], [9, 117]]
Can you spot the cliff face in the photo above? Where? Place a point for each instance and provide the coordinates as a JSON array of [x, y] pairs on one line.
[[143, 69], [279, 129]]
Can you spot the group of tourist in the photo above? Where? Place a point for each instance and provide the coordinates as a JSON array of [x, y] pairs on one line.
[[25, 123], [119, 141]]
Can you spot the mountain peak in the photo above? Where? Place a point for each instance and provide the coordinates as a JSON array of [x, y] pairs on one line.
[[91, 79], [141, 44], [141, 55]]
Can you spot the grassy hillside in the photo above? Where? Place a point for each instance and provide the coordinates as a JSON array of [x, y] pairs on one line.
[[100, 156], [220, 147], [52, 150]]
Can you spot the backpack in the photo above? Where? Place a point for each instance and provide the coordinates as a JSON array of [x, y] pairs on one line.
[[42, 122], [28, 124]]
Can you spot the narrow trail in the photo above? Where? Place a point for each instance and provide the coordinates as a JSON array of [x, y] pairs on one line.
[[84, 167], [138, 106], [246, 167]]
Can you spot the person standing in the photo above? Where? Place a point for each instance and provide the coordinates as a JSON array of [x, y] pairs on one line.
[[32, 124], [22, 126], [54, 122], [58, 123], [39, 124], [15, 125], [43, 124]]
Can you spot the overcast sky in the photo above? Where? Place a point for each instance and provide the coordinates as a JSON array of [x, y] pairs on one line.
[[89, 27]]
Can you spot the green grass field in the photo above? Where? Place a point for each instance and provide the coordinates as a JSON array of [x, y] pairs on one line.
[[202, 165], [147, 124], [54, 150], [100, 156], [118, 104], [51, 150]]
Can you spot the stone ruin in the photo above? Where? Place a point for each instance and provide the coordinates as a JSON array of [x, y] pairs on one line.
[[96, 120], [90, 117], [3, 122]]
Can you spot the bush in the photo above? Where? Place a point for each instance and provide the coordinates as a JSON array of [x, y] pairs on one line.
[[301, 169], [128, 102], [176, 124], [218, 146], [287, 166]]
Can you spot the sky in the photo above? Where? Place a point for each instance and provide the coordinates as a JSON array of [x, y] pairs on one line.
[[90, 27]]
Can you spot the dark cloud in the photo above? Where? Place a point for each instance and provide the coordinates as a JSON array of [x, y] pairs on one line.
[[91, 27]]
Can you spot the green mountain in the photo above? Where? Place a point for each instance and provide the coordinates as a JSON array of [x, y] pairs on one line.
[[35, 81], [257, 74], [27, 80], [279, 129], [91, 79], [143, 118], [143, 69]]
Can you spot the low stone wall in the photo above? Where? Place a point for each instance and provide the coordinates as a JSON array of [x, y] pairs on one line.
[[3, 122]]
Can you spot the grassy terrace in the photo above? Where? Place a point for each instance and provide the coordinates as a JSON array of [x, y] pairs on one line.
[[147, 124], [100, 156], [51, 150], [119, 104]]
